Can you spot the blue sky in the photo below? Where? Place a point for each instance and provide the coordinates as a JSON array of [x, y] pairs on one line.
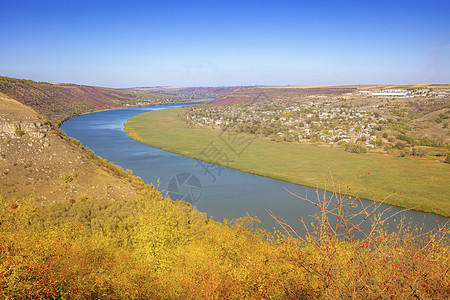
[[217, 43]]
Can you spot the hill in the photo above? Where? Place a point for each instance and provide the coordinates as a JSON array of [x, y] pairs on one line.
[[58, 102], [190, 92], [37, 158], [257, 94]]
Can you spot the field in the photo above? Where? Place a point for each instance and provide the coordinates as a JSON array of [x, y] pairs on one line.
[[407, 182]]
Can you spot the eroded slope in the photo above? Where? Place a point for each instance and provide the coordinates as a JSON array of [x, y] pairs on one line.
[[37, 159]]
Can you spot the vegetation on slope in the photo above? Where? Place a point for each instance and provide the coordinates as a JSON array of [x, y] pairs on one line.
[[59, 102], [43, 161], [420, 184], [153, 248]]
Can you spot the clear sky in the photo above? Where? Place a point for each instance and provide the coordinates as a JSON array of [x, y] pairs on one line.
[[217, 43]]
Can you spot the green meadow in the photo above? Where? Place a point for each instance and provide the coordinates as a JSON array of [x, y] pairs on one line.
[[422, 185]]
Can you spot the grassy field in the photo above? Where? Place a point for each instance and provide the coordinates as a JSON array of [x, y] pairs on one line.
[[413, 183]]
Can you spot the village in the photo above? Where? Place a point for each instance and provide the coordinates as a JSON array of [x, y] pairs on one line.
[[364, 118], [311, 121]]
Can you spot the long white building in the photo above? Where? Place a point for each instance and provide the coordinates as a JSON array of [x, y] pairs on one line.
[[388, 93]]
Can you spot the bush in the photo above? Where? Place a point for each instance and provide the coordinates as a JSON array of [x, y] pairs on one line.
[[399, 126], [153, 248], [410, 140], [379, 142], [362, 139], [447, 158], [437, 152], [400, 145], [418, 151], [355, 148], [19, 132], [404, 152], [347, 261], [66, 178], [430, 143]]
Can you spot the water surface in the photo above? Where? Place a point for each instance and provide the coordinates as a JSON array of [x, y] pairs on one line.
[[220, 192]]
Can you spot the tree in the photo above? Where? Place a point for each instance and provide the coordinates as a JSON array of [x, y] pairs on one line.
[[355, 148]]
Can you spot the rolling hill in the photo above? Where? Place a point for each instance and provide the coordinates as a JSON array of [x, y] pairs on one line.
[[58, 102]]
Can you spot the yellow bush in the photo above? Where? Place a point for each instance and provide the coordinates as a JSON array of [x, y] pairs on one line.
[[151, 247]]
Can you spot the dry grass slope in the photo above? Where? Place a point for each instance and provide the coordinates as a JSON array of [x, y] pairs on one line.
[[37, 161], [58, 102]]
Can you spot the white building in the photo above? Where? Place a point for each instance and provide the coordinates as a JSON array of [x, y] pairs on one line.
[[388, 93]]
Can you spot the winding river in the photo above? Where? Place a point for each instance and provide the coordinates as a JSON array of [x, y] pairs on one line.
[[218, 191]]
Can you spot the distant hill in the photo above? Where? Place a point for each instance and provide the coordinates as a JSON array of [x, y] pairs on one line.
[[191, 92], [286, 93], [59, 102], [263, 93]]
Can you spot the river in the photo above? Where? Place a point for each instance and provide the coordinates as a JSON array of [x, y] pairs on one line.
[[220, 192]]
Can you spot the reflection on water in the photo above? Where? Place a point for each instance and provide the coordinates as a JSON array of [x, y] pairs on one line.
[[231, 194]]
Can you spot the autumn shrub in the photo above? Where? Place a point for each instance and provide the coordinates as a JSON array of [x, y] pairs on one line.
[[419, 151], [151, 247], [400, 145], [447, 157], [345, 259], [404, 152], [430, 143], [355, 148], [408, 139], [66, 178], [75, 142], [399, 126], [19, 132]]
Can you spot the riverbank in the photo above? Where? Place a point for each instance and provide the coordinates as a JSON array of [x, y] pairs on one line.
[[416, 184]]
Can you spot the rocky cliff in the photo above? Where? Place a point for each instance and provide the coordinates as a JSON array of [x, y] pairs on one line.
[[36, 158]]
